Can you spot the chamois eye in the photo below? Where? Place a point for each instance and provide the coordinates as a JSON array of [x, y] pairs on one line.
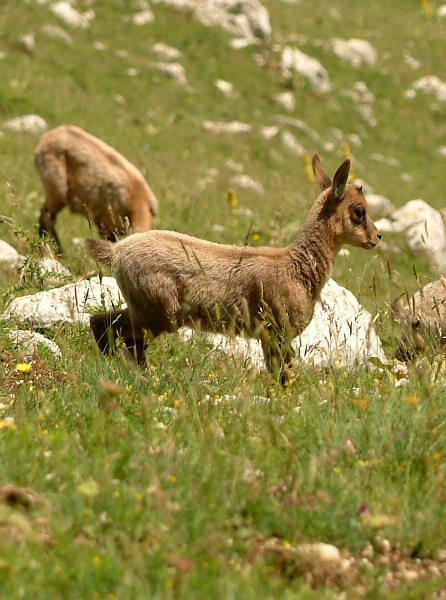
[[359, 212]]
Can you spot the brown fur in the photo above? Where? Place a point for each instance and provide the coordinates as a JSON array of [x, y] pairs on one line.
[[93, 179], [169, 279], [423, 320]]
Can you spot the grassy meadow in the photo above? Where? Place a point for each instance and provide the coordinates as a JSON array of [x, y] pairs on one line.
[[200, 477]]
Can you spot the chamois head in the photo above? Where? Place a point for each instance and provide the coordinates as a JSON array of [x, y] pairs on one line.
[[346, 207]]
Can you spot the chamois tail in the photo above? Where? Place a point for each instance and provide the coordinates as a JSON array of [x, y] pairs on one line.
[[100, 250]]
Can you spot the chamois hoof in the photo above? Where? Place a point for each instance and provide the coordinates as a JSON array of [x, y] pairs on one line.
[[100, 326], [136, 349]]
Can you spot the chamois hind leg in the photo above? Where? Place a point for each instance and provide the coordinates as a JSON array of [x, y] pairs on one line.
[[107, 327]]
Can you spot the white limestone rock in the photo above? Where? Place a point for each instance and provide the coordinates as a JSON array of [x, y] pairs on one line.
[[28, 341], [226, 88], [360, 93], [294, 59], [431, 85], [322, 555], [165, 52], [356, 52], [26, 124], [71, 303], [26, 42], [9, 256], [174, 70], [424, 229], [247, 20], [143, 17], [269, 132], [70, 16], [53, 271], [292, 144], [287, 100], [54, 31], [234, 166], [341, 333], [248, 183], [299, 125], [378, 206], [231, 127]]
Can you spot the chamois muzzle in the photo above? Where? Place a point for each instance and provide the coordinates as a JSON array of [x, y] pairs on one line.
[[374, 237]]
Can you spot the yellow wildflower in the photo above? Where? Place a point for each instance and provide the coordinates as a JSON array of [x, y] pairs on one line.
[[7, 424]]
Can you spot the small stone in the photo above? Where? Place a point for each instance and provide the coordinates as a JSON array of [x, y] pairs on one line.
[[383, 546], [174, 70], [143, 17], [433, 570], [319, 552], [410, 575], [292, 144], [401, 566], [287, 100], [226, 88], [231, 127], [27, 42], [268, 132], [389, 578], [368, 551], [165, 52], [57, 32]]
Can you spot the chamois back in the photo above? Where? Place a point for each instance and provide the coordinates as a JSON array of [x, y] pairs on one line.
[[84, 173]]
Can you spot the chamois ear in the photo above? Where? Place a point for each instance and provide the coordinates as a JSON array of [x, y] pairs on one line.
[[323, 180], [338, 187], [340, 180]]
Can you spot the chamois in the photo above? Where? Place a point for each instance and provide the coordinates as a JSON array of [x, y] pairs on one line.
[[169, 279], [93, 179], [423, 319]]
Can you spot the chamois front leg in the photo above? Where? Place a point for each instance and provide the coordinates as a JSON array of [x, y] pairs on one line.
[[107, 327], [278, 352], [46, 227], [276, 334]]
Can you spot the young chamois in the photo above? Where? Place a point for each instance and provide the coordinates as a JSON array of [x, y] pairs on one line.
[[93, 179], [169, 279]]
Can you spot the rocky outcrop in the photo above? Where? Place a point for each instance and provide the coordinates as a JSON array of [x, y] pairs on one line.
[[247, 20], [341, 333], [424, 230]]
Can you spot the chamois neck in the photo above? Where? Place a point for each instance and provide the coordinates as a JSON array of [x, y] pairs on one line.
[[314, 251]]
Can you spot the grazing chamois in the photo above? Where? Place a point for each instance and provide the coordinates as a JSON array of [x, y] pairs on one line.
[[93, 179], [423, 319], [169, 279]]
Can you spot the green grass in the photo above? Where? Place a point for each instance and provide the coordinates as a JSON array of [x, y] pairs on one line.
[[175, 486]]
